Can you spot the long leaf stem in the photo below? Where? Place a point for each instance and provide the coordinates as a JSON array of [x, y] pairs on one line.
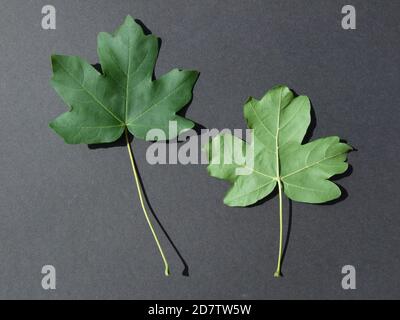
[[139, 189], [277, 273]]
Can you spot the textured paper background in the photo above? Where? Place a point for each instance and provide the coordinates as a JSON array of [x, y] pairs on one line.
[[77, 208]]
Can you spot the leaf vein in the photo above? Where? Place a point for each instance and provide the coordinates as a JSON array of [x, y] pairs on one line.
[[259, 119], [311, 165], [153, 105], [255, 190], [90, 94]]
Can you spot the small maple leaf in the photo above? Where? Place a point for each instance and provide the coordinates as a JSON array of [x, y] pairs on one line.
[[279, 122]]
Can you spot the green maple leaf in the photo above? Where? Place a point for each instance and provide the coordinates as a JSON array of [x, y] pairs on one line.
[[279, 122], [125, 98]]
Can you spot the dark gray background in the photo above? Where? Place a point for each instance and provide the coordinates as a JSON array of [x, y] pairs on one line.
[[77, 208]]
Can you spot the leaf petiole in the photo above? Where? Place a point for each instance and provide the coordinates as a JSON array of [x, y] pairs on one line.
[[277, 273], [139, 189]]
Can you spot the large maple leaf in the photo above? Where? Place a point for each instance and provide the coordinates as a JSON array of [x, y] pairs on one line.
[[123, 98]]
